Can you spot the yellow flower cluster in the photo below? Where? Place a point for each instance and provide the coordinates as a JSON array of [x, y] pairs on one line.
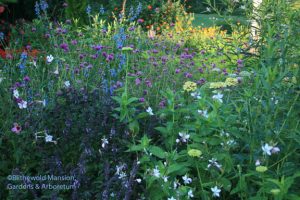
[[231, 81], [189, 86], [228, 82], [217, 85], [194, 153]]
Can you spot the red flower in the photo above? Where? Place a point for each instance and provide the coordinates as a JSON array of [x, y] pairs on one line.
[[150, 7], [2, 9]]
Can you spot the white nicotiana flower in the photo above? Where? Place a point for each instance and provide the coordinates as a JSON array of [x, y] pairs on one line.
[[22, 104], [138, 180], [56, 72], [44, 102], [176, 184], [156, 172], [203, 113], [208, 9], [177, 140], [119, 169], [104, 142], [190, 194], [165, 178], [216, 191], [184, 136], [214, 162], [67, 84], [231, 142], [16, 93], [275, 150], [122, 175], [257, 162], [243, 7], [149, 111], [49, 59], [186, 179], [196, 95], [267, 149], [172, 198], [218, 97], [49, 138]]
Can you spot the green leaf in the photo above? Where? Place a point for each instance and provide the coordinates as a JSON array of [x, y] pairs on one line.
[[178, 168], [158, 152], [135, 148], [132, 99]]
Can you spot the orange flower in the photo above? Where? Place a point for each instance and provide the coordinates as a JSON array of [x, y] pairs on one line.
[[150, 7], [158, 28]]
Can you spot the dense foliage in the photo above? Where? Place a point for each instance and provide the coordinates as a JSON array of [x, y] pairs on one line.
[[178, 112]]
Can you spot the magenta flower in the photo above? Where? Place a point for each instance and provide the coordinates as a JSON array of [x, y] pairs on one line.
[[16, 129], [142, 99], [26, 79]]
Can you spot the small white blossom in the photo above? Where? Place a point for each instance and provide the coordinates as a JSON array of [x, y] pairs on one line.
[[184, 136], [267, 149], [138, 180], [22, 104], [257, 162], [186, 179], [165, 178], [203, 113], [243, 7], [275, 150], [67, 84], [122, 175], [208, 9], [218, 97], [56, 72], [172, 198], [104, 142], [190, 194], [149, 111], [214, 162], [16, 93], [156, 172], [49, 138], [216, 191], [49, 59], [196, 95], [176, 184], [44, 102]]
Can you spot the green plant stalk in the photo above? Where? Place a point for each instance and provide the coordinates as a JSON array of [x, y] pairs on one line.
[[200, 180]]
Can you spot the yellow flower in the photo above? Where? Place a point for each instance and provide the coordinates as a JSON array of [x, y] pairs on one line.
[[231, 81], [194, 153], [189, 86], [261, 169], [217, 85]]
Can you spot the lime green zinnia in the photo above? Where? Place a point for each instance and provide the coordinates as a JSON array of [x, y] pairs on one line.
[[261, 169], [194, 153], [217, 85]]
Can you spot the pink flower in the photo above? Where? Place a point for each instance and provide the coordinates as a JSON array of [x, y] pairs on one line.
[[16, 129]]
